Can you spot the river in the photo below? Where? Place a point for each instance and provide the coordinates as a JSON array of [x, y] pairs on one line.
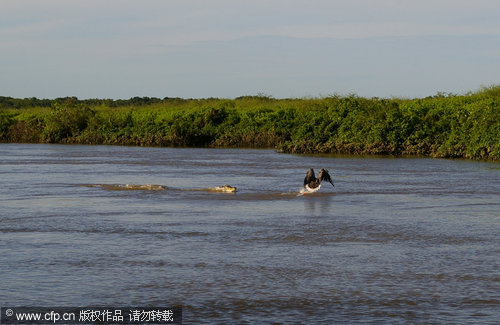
[[396, 240]]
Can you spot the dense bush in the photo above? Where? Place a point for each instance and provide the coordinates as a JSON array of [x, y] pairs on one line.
[[441, 126]]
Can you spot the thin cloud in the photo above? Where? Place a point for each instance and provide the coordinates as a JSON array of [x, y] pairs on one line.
[[370, 30]]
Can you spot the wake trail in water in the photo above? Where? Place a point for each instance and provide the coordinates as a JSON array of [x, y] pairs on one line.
[[228, 191], [156, 187], [128, 187]]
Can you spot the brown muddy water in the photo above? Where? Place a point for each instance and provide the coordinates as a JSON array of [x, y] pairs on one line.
[[396, 240]]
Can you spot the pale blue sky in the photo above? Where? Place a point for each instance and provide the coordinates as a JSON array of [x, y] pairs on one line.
[[223, 48]]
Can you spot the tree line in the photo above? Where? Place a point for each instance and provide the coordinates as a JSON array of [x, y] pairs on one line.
[[445, 125]]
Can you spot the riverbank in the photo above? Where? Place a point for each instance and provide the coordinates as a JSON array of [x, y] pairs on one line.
[[450, 126]]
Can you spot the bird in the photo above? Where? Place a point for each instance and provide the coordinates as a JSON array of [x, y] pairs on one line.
[[313, 184]]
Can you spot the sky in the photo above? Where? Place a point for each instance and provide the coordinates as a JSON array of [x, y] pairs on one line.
[[230, 48]]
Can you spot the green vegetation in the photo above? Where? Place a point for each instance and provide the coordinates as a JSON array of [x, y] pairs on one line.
[[445, 125]]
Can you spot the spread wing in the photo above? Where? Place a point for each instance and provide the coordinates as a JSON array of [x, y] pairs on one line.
[[325, 176], [309, 176]]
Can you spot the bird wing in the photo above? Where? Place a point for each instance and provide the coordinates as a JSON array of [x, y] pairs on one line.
[[309, 176], [325, 176]]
